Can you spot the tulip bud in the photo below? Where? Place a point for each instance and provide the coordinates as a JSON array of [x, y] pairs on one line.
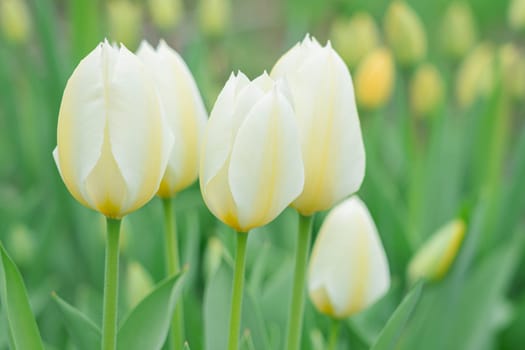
[[185, 113], [125, 22], [475, 76], [138, 283], [21, 244], [112, 140], [434, 258], [15, 21], [214, 16], [516, 14], [355, 38], [405, 33], [332, 145], [458, 30], [375, 79], [426, 90], [251, 167], [348, 268], [213, 257], [512, 70], [165, 13]]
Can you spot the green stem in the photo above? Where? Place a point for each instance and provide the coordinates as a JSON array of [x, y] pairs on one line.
[[237, 292], [334, 334], [110, 311], [173, 267], [297, 306]]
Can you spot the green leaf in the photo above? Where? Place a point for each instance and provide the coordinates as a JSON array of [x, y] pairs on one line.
[[147, 326], [389, 336], [84, 333], [23, 329]]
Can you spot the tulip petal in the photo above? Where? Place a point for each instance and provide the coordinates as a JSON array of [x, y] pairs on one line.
[[266, 171]]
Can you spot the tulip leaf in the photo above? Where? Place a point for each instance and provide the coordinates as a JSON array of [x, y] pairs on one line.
[[389, 336], [84, 333], [23, 330], [147, 325]]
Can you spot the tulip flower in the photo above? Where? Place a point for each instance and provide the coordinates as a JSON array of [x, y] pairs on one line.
[[214, 16], [139, 283], [405, 33], [458, 29], [15, 20], [475, 77], [434, 258], [354, 38], [251, 167], [125, 21], [512, 70], [516, 14], [165, 13], [113, 145], [375, 79], [348, 270], [426, 90]]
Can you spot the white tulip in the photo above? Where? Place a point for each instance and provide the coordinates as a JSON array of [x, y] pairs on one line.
[[331, 141], [112, 140], [251, 167], [184, 111], [348, 268]]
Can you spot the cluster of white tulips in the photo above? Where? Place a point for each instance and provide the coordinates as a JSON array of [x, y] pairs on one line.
[[134, 125]]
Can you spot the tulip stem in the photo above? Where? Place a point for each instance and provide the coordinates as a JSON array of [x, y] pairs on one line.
[[334, 334], [110, 311], [173, 267], [297, 303], [237, 292]]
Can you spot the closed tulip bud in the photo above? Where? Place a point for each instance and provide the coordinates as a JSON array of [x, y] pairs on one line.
[[251, 167], [458, 30], [516, 14], [348, 269], [184, 111], [21, 244], [331, 141], [165, 13], [214, 16], [475, 77], [125, 22], [434, 258], [375, 79], [354, 38], [512, 70], [112, 140], [405, 33], [213, 257], [14, 19], [426, 90], [138, 283]]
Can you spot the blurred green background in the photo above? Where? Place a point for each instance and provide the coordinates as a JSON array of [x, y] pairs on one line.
[[462, 157]]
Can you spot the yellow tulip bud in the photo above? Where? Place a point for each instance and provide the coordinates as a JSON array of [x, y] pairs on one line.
[[405, 33], [458, 30], [185, 113], [251, 167], [165, 13], [516, 14], [332, 144], [213, 257], [21, 244], [125, 22], [138, 283], [15, 21], [354, 38], [475, 77], [113, 142], [512, 70], [434, 258], [375, 79], [426, 89], [214, 16], [348, 269]]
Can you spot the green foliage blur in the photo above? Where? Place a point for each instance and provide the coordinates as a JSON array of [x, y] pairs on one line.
[[459, 160]]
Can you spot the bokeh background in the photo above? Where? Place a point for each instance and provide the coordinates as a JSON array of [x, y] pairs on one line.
[[442, 105]]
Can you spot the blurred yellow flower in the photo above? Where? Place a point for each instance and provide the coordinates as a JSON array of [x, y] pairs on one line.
[[475, 77], [331, 140], [516, 14], [139, 283], [355, 37], [185, 113], [433, 260], [348, 269], [458, 29], [212, 257], [375, 79], [125, 22], [214, 16], [113, 142], [21, 243], [405, 33], [165, 13], [426, 89], [512, 70], [15, 20], [251, 167]]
